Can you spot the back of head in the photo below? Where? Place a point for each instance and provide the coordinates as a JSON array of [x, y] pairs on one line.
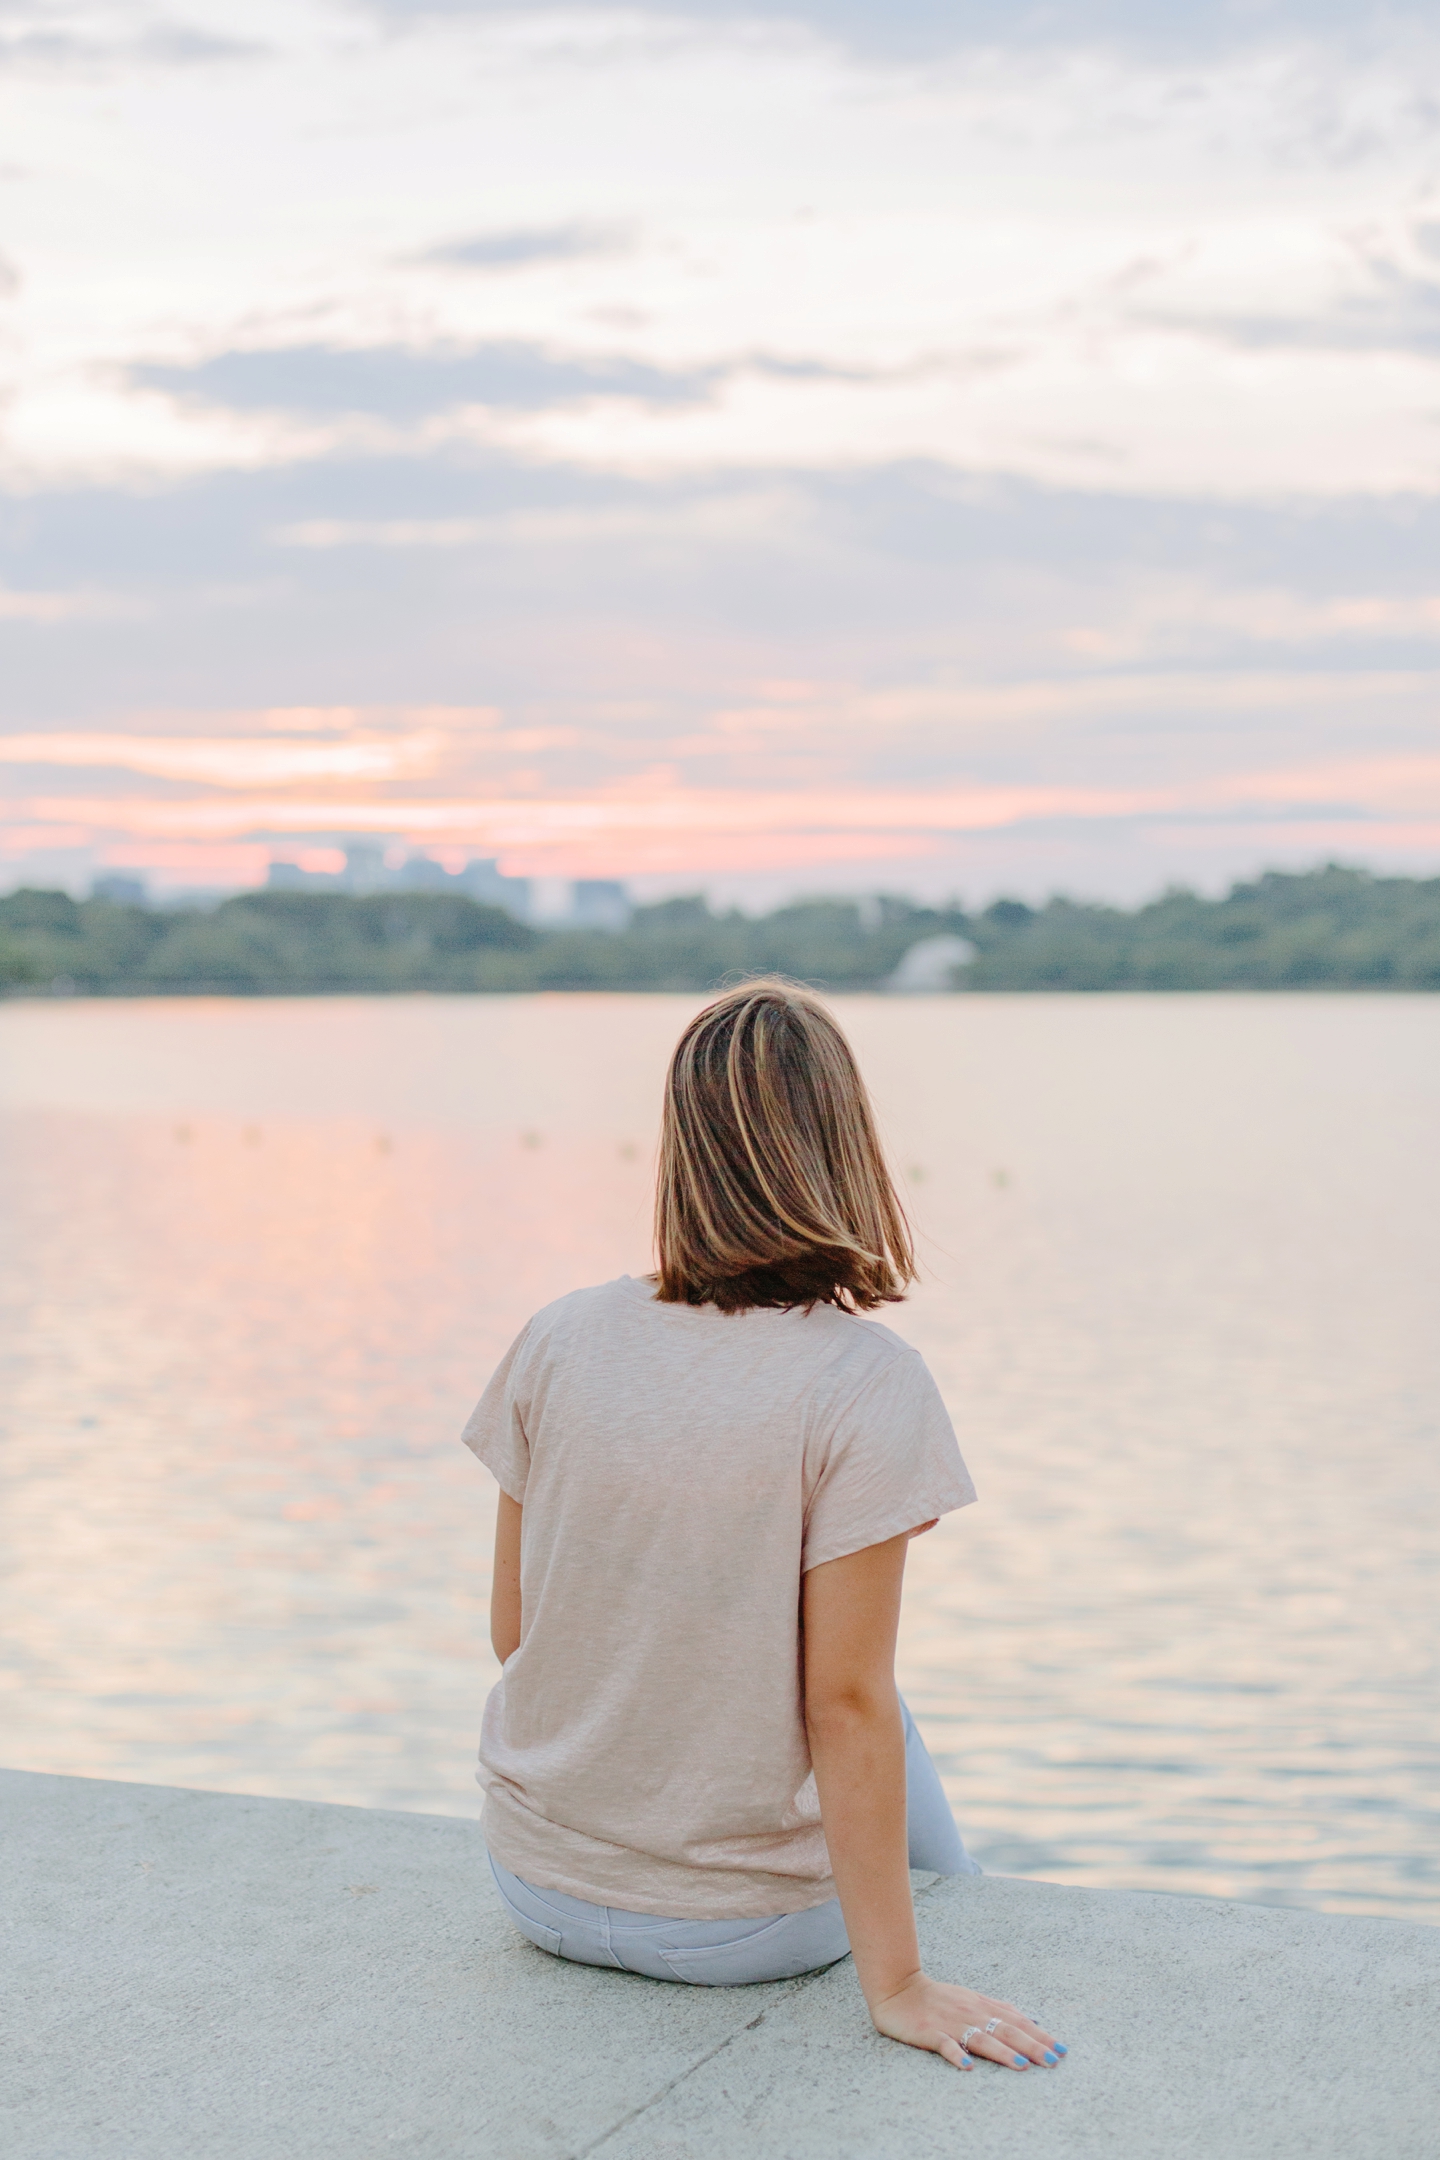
[[773, 1189]]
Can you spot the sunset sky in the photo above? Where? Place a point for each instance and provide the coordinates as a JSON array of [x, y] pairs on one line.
[[849, 444]]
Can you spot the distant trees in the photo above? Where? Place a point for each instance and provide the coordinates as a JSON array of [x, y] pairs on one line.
[[1332, 928], [264, 941], [1324, 929]]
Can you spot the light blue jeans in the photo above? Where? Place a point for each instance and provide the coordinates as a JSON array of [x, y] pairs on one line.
[[728, 1953]]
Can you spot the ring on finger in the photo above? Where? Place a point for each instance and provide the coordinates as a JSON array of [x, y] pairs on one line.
[[969, 2034], [993, 2026]]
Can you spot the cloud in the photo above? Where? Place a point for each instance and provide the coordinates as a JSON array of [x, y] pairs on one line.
[[403, 383], [1400, 313], [1384, 298], [517, 248], [47, 43], [659, 826], [234, 762], [182, 45], [449, 576], [408, 385], [17, 604], [919, 29], [615, 495], [881, 661]]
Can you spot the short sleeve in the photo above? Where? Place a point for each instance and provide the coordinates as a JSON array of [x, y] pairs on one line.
[[892, 1462], [496, 1427]]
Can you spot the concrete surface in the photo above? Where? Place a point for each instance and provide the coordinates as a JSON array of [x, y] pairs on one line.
[[195, 1976]]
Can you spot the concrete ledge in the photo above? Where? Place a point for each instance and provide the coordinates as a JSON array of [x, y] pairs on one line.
[[195, 1976]]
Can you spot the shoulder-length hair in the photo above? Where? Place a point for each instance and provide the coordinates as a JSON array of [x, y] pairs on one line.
[[773, 1189]]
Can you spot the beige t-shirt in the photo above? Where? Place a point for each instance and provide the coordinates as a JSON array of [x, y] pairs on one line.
[[680, 1468]]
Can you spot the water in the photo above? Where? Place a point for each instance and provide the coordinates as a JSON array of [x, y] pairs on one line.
[[1182, 1264]]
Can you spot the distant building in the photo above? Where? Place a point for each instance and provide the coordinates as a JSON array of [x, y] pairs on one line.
[[121, 891], [365, 870], [483, 880], [289, 877], [600, 904], [421, 873]]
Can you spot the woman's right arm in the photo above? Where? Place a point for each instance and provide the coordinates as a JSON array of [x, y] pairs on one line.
[[505, 1579], [851, 1610]]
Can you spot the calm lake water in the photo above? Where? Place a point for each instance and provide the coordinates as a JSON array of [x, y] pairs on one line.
[[1182, 1264]]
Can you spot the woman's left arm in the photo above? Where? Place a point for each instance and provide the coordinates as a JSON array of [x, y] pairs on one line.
[[505, 1580]]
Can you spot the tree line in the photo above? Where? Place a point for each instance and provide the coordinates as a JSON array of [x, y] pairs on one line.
[[1332, 928]]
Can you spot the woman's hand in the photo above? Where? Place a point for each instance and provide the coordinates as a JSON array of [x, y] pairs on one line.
[[857, 1749], [955, 2022]]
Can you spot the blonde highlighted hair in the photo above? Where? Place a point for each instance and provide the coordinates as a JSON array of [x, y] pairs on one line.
[[773, 1189]]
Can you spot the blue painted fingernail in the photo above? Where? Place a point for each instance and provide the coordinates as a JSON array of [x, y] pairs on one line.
[[1060, 2048], [1021, 2063], [1051, 2058]]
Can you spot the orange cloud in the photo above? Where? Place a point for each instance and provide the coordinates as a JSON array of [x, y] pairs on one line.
[[227, 761], [1379, 783], [1375, 784], [537, 819], [30, 839]]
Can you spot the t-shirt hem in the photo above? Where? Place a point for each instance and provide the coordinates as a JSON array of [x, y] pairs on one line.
[[513, 1487], [723, 1899], [907, 1518]]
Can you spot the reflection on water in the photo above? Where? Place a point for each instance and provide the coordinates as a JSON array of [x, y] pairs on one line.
[[1182, 1258]]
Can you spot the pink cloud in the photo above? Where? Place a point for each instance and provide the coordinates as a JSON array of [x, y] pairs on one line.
[[655, 822]]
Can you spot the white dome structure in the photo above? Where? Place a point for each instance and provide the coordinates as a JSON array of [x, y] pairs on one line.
[[931, 965]]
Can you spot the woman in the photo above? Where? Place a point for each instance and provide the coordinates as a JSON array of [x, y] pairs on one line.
[[696, 1763]]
